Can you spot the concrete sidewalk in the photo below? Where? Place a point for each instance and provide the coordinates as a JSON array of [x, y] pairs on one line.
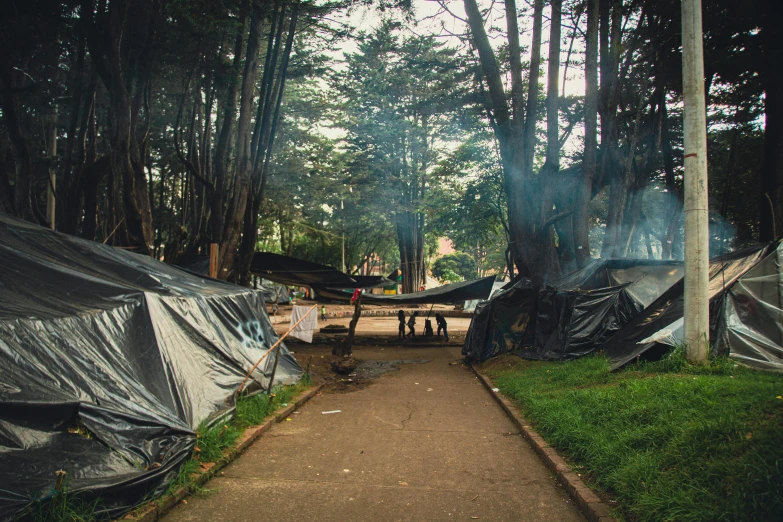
[[424, 443]]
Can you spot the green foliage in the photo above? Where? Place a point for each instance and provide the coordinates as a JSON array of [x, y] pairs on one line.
[[64, 506], [467, 204], [667, 440], [454, 267]]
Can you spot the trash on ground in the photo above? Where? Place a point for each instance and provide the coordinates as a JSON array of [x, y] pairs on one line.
[[496, 389], [328, 412]]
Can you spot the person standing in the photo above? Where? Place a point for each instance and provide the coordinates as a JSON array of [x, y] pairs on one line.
[[412, 325], [442, 325], [323, 312], [401, 319]]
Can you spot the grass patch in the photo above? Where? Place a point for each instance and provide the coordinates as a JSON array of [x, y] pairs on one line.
[[669, 441], [212, 442], [63, 506]]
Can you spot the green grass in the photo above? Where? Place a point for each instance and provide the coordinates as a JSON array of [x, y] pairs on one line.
[[666, 440], [63, 506]]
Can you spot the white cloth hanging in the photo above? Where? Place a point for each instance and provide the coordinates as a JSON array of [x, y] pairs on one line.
[[304, 330]]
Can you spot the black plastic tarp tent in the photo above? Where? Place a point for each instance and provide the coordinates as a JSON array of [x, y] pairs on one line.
[[137, 354], [746, 314], [501, 324], [446, 294], [297, 272], [579, 312], [571, 315], [273, 292]]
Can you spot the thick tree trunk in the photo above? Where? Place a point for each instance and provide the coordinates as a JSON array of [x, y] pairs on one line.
[[236, 209], [221, 156], [515, 133], [411, 251], [263, 141], [21, 152], [584, 191], [548, 175]]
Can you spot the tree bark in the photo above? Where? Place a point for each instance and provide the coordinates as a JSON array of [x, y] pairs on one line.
[[515, 135], [236, 210], [21, 151], [581, 217]]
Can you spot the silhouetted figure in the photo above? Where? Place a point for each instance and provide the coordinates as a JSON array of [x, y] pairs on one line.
[[412, 324], [442, 326]]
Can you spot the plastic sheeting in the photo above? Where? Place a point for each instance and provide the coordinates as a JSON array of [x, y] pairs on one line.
[[471, 305], [580, 311], [573, 315], [571, 324], [636, 338], [446, 294], [108, 363], [274, 293], [297, 272], [752, 326], [501, 324]]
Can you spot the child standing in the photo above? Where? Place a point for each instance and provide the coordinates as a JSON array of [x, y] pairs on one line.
[[401, 319], [412, 325], [442, 325]]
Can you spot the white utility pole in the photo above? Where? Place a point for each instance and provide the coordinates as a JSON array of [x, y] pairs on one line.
[[697, 246]]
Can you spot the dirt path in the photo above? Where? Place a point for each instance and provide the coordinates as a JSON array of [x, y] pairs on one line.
[[422, 443]]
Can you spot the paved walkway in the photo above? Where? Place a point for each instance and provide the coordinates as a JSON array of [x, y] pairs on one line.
[[424, 443]]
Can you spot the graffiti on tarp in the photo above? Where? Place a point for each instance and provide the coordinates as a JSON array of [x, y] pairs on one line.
[[251, 334]]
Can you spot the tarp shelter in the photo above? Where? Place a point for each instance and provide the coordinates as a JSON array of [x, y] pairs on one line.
[[470, 305], [501, 324], [571, 315], [273, 292], [298, 272], [582, 310], [746, 313], [109, 361], [447, 294]]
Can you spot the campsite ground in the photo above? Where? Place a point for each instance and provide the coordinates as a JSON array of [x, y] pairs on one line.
[[416, 437]]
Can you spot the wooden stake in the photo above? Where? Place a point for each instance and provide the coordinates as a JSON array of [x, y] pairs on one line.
[[213, 260], [241, 386]]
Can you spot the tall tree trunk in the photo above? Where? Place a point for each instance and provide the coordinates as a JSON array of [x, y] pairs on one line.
[[511, 128], [21, 151], [263, 143], [548, 175], [584, 191], [236, 209], [411, 251], [221, 156]]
